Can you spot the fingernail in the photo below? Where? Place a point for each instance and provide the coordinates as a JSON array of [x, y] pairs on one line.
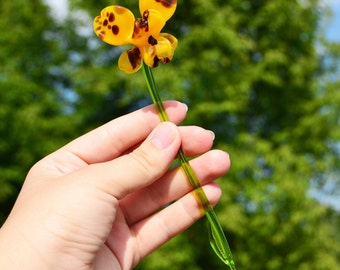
[[164, 135], [227, 154], [212, 134], [186, 107]]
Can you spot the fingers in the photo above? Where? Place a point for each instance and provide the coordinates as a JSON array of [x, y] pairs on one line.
[[139, 168], [154, 231], [173, 185], [196, 140], [110, 140]]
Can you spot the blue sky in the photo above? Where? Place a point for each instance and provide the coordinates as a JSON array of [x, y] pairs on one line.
[[333, 28]]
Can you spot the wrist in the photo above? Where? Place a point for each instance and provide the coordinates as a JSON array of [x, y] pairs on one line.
[[17, 252]]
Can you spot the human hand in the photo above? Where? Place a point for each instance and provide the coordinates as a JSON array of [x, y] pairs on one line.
[[95, 203]]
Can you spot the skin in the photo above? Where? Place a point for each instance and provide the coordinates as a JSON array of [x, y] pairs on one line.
[[96, 203]]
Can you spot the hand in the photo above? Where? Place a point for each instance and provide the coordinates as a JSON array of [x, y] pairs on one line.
[[95, 203]]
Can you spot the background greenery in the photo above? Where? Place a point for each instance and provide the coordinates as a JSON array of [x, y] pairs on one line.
[[259, 73]]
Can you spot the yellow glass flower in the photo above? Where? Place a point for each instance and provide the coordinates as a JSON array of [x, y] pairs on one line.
[[117, 26]]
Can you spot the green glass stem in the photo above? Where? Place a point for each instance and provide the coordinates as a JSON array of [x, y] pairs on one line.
[[218, 240]]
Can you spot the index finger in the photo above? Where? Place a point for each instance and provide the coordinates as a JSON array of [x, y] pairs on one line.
[[113, 138]]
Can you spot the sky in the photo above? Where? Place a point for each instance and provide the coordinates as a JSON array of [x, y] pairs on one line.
[[59, 8], [333, 29]]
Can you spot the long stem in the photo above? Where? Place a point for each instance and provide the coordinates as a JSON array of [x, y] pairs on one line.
[[218, 240]]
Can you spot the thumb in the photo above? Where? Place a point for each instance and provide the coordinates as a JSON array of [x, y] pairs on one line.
[[141, 167]]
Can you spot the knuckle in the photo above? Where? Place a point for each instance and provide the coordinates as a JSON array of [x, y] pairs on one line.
[[145, 163]]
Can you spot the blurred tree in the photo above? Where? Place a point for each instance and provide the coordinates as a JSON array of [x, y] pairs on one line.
[[249, 70], [33, 112]]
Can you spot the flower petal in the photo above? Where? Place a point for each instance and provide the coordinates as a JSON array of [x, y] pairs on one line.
[[173, 40], [165, 7], [115, 25], [162, 51], [156, 21], [150, 24], [130, 61]]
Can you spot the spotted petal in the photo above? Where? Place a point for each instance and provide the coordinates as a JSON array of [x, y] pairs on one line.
[[130, 61], [165, 7], [143, 32], [162, 51], [115, 25]]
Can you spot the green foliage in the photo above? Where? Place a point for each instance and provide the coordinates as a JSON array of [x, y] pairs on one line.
[[32, 121], [249, 70]]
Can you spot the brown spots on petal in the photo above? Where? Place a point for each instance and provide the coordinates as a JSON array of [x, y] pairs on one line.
[[155, 62], [152, 40], [102, 34], [134, 57], [136, 28], [111, 17], [115, 29], [141, 23], [166, 60], [107, 23], [146, 15], [167, 3]]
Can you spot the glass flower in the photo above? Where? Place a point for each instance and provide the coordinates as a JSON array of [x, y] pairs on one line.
[[117, 26]]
